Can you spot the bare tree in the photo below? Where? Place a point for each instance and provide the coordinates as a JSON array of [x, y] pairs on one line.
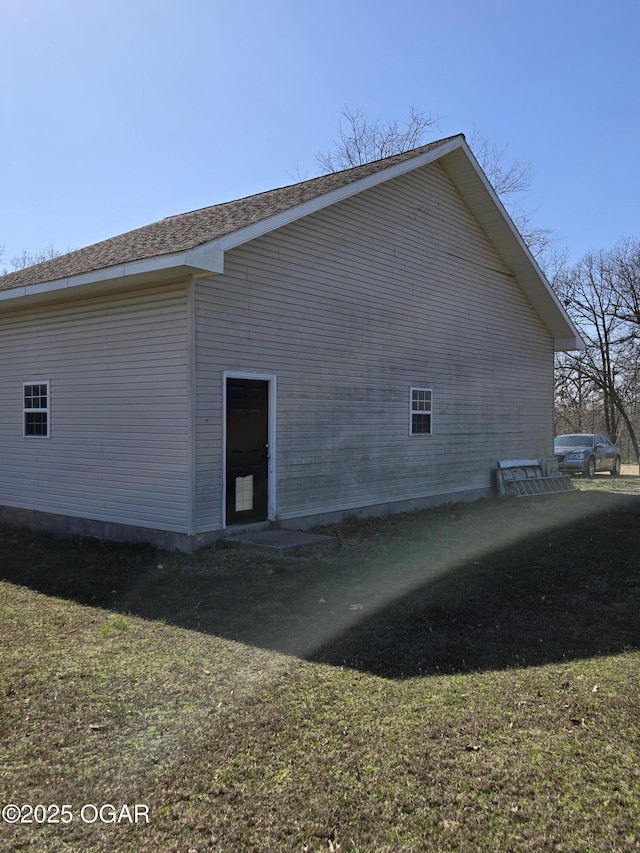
[[511, 179], [29, 259], [625, 281], [361, 140], [603, 378], [578, 400], [508, 178]]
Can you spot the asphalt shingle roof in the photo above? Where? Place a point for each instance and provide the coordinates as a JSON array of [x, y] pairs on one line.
[[188, 230]]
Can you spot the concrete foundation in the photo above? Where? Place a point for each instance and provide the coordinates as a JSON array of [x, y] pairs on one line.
[[71, 526]]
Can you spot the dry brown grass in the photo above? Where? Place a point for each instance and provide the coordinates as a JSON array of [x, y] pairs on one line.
[[483, 698]]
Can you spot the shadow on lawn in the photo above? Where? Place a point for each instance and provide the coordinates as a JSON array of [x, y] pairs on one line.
[[549, 597], [478, 587]]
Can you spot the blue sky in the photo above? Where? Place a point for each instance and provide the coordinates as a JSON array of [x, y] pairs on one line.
[[116, 113]]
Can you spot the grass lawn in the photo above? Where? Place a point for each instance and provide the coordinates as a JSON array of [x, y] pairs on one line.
[[463, 679]]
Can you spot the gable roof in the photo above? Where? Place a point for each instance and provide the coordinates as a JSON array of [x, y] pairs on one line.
[[188, 230], [195, 242]]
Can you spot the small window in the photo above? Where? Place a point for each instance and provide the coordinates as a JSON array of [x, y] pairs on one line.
[[420, 414], [36, 409]]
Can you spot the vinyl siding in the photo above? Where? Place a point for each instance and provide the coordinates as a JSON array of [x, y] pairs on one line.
[[349, 307], [119, 446]]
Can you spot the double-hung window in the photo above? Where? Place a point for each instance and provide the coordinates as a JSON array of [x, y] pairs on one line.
[[36, 409], [420, 410]]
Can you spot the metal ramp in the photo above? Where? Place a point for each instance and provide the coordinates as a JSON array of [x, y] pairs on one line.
[[526, 477]]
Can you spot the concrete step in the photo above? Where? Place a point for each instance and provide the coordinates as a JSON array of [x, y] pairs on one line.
[[282, 541]]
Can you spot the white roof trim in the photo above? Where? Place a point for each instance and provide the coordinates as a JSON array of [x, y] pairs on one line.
[[205, 259], [270, 223]]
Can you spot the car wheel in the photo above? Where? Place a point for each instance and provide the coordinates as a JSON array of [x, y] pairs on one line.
[[590, 467], [615, 471]]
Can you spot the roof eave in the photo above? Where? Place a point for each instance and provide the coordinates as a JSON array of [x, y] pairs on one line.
[[203, 260]]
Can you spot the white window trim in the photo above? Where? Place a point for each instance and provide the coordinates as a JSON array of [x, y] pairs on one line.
[[413, 411], [46, 410]]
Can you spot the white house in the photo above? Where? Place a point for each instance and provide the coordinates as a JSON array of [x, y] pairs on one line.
[[368, 341]]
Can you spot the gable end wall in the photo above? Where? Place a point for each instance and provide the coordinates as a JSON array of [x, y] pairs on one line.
[[351, 306]]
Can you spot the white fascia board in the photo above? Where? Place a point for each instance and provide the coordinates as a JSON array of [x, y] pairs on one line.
[[206, 259], [264, 226], [209, 257], [568, 344]]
